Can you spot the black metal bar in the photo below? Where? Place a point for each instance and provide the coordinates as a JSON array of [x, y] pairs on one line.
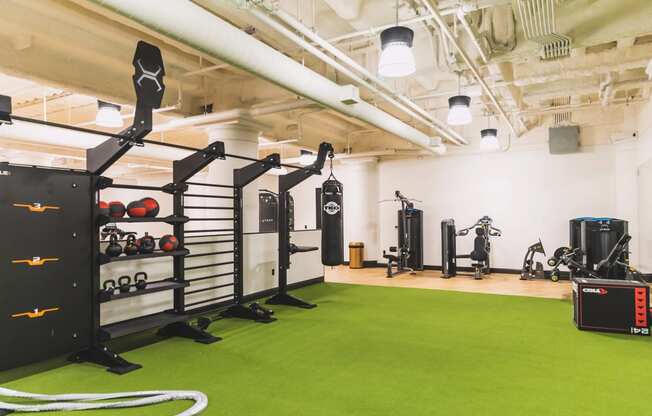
[[206, 289], [251, 159], [204, 266], [196, 207], [142, 187], [69, 127], [209, 235], [209, 196], [208, 242], [187, 167], [249, 173], [238, 241], [212, 253], [285, 183], [213, 276], [209, 300], [207, 231], [209, 184], [210, 219], [175, 146], [179, 262]]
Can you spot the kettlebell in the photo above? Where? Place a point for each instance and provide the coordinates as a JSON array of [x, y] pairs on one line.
[[109, 286], [113, 249], [146, 244], [124, 283], [141, 280], [131, 248]]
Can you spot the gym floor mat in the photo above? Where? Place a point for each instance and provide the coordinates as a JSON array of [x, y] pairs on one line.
[[388, 351]]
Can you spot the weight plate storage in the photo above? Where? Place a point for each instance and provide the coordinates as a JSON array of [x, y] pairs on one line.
[[46, 264]]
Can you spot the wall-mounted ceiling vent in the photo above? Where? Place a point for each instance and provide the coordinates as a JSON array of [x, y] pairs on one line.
[[539, 21], [562, 118]]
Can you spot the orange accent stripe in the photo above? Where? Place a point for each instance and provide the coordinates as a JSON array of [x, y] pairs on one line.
[[35, 313], [33, 263], [37, 209]]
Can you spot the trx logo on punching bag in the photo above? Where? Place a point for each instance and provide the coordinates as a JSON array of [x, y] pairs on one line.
[[331, 208]]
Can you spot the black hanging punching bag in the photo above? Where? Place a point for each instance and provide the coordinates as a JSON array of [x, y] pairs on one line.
[[332, 224]]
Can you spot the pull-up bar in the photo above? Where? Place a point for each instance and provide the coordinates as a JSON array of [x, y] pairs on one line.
[[145, 141]]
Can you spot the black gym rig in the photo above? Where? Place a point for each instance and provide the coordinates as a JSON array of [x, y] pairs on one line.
[[55, 260]]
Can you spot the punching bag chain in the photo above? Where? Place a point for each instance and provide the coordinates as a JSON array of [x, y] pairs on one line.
[[331, 155]]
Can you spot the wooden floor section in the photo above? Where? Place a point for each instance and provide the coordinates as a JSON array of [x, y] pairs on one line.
[[502, 284]]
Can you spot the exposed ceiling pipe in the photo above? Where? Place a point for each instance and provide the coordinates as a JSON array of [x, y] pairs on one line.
[[476, 73], [382, 87], [453, 9], [192, 25], [469, 31], [567, 74], [37, 133], [233, 115]]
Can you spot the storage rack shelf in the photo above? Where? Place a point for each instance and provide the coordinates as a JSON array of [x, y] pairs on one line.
[[144, 323], [160, 286], [105, 219], [104, 259]]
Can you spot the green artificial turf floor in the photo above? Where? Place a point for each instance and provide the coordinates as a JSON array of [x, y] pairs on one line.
[[388, 352]]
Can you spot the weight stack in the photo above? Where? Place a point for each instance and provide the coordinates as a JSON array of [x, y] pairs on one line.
[[610, 305]]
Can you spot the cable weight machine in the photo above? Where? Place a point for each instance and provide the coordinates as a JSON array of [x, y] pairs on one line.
[[409, 252]]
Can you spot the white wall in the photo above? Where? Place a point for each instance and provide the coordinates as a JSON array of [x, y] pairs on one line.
[[529, 194], [643, 161], [360, 182]]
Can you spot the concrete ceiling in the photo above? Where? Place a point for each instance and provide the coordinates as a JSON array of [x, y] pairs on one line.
[[57, 57]]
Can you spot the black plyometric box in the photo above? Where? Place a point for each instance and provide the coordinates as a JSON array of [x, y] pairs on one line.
[[46, 263], [612, 305]]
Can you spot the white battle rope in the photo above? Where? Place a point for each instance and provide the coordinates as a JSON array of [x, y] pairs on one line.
[[72, 402]]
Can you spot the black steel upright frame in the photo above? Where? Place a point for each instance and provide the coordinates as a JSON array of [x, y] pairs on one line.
[[285, 184]]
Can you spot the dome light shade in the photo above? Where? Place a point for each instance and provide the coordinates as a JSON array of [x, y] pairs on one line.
[[459, 112], [489, 139], [396, 57], [307, 158], [108, 115]]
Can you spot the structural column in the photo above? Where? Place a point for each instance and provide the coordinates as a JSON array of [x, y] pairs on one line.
[[240, 138]]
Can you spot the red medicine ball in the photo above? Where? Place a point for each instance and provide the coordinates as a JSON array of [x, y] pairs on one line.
[[168, 243], [151, 205], [117, 209], [104, 208], [136, 209]]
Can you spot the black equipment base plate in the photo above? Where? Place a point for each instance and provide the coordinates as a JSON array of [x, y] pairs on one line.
[[289, 300]]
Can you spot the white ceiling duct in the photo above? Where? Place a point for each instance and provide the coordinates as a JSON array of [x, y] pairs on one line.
[[196, 27], [37, 133]]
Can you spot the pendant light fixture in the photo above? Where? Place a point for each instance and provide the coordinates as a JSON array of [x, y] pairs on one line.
[[489, 137], [108, 115], [459, 107], [396, 57]]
